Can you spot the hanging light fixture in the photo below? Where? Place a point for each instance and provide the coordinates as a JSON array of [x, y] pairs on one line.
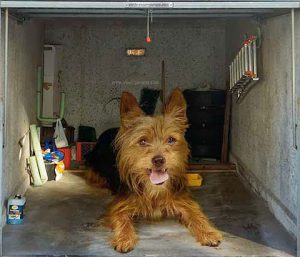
[[149, 15]]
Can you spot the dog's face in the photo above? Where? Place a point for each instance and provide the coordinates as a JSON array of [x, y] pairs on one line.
[[152, 151]]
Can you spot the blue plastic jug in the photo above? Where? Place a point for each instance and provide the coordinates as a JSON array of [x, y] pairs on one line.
[[15, 209]]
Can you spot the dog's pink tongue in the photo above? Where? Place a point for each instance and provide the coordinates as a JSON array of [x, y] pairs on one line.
[[157, 177]]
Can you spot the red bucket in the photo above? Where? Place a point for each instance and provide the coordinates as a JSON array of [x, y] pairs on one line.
[[67, 158]]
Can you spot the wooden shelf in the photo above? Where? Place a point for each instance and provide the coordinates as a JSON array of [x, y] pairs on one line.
[[218, 167]]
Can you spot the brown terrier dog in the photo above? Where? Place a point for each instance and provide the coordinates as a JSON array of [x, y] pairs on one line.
[[152, 156]]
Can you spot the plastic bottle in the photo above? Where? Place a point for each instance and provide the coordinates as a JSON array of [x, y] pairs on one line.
[[15, 209]]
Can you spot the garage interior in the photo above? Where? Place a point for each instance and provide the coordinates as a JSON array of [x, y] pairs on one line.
[[249, 185]]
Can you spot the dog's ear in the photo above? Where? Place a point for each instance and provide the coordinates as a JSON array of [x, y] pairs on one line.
[[129, 109], [176, 106]]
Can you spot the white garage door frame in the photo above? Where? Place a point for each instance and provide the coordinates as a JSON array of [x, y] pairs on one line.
[[154, 5], [78, 5]]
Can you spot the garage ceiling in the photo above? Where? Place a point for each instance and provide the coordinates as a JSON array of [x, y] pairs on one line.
[[165, 9]]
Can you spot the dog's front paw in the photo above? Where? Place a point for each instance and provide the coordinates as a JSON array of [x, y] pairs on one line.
[[124, 244], [209, 238]]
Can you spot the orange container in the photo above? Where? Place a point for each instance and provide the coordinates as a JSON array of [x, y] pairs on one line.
[[67, 158]]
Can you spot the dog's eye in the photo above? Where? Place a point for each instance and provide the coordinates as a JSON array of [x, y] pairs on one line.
[[143, 142], [171, 140]]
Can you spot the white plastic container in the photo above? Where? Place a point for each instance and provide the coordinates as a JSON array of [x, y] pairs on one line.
[[15, 209]]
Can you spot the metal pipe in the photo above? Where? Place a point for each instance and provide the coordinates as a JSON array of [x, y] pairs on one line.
[[294, 112], [234, 71], [148, 24], [31, 11], [250, 58], [230, 77], [246, 58], [254, 58], [232, 80], [5, 75], [232, 74], [39, 110], [137, 15], [237, 68], [240, 65], [243, 60]]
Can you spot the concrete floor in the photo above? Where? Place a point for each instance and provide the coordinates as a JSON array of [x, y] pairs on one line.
[[59, 218]]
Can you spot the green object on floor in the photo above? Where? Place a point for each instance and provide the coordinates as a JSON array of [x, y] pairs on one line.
[[36, 179], [38, 153]]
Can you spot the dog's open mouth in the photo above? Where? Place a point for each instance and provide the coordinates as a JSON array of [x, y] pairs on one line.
[[158, 175]]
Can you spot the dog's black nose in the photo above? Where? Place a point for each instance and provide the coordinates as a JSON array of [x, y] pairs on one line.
[[158, 161]]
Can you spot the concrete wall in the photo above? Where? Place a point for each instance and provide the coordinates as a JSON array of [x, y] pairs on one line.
[[297, 46], [261, 131], [25, 54], [95, 68]]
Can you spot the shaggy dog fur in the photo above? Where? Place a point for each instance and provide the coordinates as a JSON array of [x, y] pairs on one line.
[[152, 155]]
